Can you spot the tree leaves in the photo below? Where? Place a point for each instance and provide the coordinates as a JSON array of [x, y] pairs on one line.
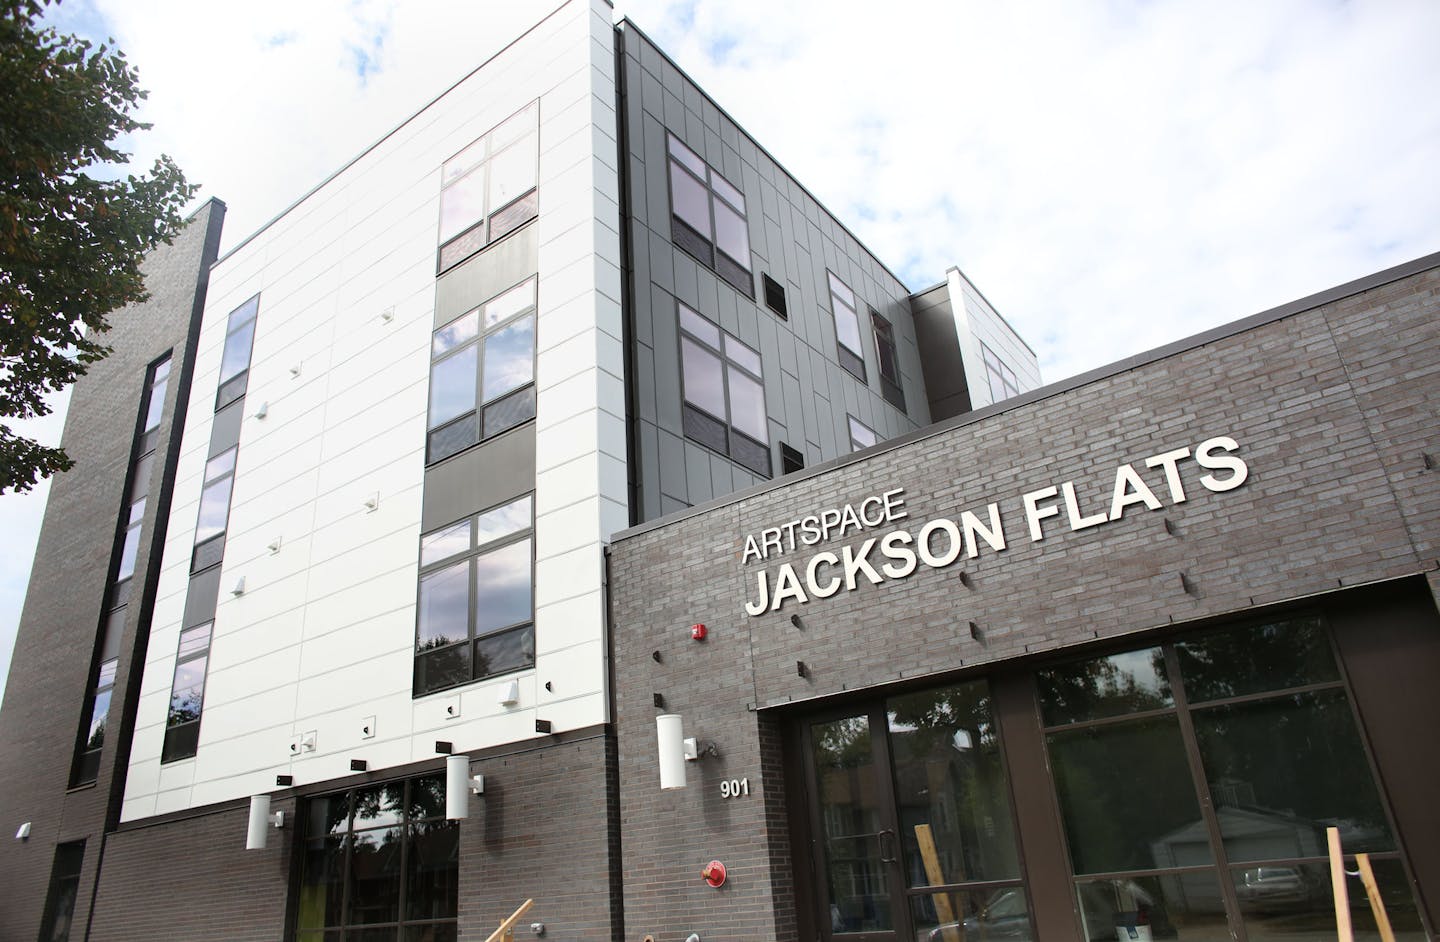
[[71, 241]]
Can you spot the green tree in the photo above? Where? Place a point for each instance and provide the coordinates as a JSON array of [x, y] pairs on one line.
[[71, 241]]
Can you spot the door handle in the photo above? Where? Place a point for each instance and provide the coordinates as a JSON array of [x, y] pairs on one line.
[[883, 837]]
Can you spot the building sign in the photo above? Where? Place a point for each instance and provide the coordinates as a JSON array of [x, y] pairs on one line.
[[900, 551]]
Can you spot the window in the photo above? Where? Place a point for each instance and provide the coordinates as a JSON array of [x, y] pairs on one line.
[[482, 372], [475, 614], [887, 355], [774, 296], [214, 510], [1002, 378], [235, 360], [861, 435], [791, 459], [187, 693], [488, 189], [86, 765], [92, 735], [724, 393], [709, 217], [1264, 710], [64, 888], [847, 327], [381, 862]]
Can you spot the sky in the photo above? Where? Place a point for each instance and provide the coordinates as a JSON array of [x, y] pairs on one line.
[[1113, 175]]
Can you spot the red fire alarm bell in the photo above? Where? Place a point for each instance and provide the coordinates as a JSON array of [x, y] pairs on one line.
[[714, 873], [697, 632]]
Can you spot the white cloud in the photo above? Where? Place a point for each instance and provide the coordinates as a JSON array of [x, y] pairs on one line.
[[1113, 176]]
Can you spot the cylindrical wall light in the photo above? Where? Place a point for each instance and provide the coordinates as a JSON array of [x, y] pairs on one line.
[[259, 828], [457, 787], [671, 730]]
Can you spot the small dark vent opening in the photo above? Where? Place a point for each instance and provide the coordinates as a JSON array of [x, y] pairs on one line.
[[775, 296]]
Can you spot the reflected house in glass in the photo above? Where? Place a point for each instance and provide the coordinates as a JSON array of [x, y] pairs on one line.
[[438, 468]]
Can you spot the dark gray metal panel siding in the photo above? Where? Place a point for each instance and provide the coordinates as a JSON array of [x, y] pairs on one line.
[[491, 473], [794, 241], [498, 267]]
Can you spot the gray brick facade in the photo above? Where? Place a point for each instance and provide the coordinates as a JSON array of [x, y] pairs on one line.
[[45, 699], [1333, 403]]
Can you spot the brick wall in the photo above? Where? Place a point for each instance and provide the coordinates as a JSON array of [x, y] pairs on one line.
[[1332, 405], [45, 700]]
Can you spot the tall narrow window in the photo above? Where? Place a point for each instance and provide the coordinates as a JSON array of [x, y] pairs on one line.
[[482, 372], [847, 327], [214, 510], [709, 217], [475, 613], [724, 393], [91, 739], [102, 684], [187, 694], [235, 359], [887, 355], [861, 435], [488, 189], [64, 888], [187, 691], [382, 862], [1002, 378]]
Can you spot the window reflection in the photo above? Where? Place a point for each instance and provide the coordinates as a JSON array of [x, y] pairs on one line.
[[1106, 686], [471, 590], [950, 787], [356, 870], [1282, 770]]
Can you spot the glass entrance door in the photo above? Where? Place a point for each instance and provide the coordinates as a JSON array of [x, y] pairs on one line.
[[912, 831], [853, 824]]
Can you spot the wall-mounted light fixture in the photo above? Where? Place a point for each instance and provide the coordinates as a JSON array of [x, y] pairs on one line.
[[24, 833], [676, 749], [263, 411], [239, 588], [509, 694], [261, 821], [459, 786], [670, 729]]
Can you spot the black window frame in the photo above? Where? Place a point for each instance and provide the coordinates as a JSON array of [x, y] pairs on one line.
[[182, 734], [478, 418], [851, 359], [410, 825], [65, 872], [887, 352], [494, 222], [469, 557], [85, 764], [705, 247], [700, 424], [232, 387]]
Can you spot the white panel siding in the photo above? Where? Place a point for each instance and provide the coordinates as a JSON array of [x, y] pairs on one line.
[[323, 636]]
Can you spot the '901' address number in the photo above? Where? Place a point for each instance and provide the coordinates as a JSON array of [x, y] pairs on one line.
[[734, 787]]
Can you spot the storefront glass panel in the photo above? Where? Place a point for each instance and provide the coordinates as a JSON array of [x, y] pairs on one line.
[[1282, 770], [852, 826], [991, 914], [1293, 903], [950, 787], [1127, 797], [1186, 906]]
